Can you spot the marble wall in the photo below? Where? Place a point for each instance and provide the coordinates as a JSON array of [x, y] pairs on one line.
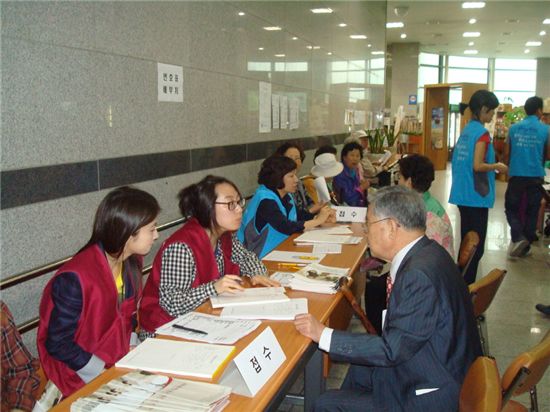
[[80, 112]]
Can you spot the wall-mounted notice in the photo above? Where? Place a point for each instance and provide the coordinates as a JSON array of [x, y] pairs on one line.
[[284, 112], [294, 115], [359, 117], [170, 83], [348, 117], [275, 101], [437, 128], [264, 109]]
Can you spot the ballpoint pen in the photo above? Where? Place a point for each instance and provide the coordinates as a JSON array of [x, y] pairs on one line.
[[176, 326], [291, 265], [306, 257]]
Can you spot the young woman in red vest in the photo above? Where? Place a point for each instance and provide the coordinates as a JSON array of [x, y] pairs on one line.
[[201, 259], [88, 309]]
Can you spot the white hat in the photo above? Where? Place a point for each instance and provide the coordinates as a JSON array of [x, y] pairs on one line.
[[355, 136], [326, 165]]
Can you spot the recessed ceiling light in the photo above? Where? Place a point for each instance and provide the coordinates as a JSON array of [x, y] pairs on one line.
[[394, 25], [280, 55], [542, 33], [377, 52], [260, 48], [546, 21], [472, 21], [471, 43], [358, 36], [471, 34], [316, 47], [272, 28], [527, 51], [403, 36], [342, 25], [533, 43], [241, 13], [369, 45], [322, 10], [470, 51], [309, 47], [329, 53], [473, 4], [295, 38]]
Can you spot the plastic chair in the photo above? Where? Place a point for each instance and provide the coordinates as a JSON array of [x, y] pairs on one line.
[[344, 288], [523, 374], [481, 391], [467, 251], [483, 292]]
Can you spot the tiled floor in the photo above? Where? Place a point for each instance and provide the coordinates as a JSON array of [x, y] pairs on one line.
[[513, 324]]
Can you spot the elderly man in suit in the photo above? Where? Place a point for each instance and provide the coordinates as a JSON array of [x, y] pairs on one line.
[[429, 337]]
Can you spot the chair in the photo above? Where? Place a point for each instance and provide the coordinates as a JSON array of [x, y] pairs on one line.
[[467, 251], [344, 288], [481, 391], [483, 291], [523, 375]]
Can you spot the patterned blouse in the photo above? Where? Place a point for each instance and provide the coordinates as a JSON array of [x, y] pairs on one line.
[[438, 224]]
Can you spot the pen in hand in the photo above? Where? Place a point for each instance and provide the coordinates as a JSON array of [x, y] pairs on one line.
[[176, 326]]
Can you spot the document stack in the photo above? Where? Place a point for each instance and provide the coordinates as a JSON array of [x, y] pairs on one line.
[[313, 278], [143, 391]]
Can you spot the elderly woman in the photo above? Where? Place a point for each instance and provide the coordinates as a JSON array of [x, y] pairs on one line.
[[417, 172], [349, 185], [272, 215]]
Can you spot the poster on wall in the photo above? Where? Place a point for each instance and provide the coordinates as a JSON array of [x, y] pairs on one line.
[[283, 115], [437, 128], [275, 107], [359, 118], [170, 83], [264, 109], [294, 115]]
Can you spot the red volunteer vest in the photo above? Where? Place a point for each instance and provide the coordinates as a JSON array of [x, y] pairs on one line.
[[104, 327], [151, 315]]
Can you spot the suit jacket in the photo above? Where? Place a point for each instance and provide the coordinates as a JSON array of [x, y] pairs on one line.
[[429, 337]]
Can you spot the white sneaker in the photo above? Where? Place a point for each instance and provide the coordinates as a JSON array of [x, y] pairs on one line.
[[516, 248]]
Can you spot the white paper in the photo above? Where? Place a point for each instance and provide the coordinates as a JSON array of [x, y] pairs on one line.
[[317, 278], [272, 311], [201, 360], [275, 107], [359, 117], [264, 110], [334, 230], [312, 236], [249, 296], [222, 331], [328, 248], [294, 257], [321, 187], [284, 112], [170, 83], [350, 214], [294, 118]]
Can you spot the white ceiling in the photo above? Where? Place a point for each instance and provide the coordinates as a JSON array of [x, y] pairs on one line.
[[505, 27]]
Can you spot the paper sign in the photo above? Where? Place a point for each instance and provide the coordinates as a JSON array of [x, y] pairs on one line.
[[359, 117], [283, 115], [350, 214], [264, 109], [294, 116], [275, 105], [321, 187], [253, 367], [170, 83]]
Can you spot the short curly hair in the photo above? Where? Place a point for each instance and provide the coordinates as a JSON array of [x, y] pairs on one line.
[[419, 169], [273, 170], [349, 147]]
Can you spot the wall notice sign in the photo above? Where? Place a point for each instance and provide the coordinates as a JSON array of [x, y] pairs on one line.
[[275, 109], [294, 113], [284, 112], [412, 98], [264, 109], [170, 83], [253, 367]]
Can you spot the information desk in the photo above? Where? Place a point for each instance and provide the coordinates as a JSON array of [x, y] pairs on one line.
[[301, 353]]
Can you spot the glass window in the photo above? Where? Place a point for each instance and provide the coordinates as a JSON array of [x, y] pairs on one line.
[[470, 62], [514, 98], [515, 80], [377, 63], [467, 76], [376, 77], [339, 66], [356, 77], [259, 66], [357, 64], [428, 75], [514, 64], [296, 66], [339, 77], [428, 58]]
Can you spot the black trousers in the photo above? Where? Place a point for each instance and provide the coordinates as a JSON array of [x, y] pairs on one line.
[[474, 218], [523, 227]]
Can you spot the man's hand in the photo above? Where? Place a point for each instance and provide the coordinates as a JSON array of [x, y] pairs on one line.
[[308, 326]]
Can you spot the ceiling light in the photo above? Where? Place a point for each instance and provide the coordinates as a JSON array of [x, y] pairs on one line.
[[241, 13], [470, 51], [473, 4], [394, 25], [358, 36], [369, 45], [272, 28], [342, 25], [322, 10], [533, 43], [329, 53], [316, 47], [471, 43], [295, 38], [309, 47], [542, 33], [471, 34], [546, 21], [472, 21], [377, 52], [260, 48], [526, 51], [403, 36], [280, 55]]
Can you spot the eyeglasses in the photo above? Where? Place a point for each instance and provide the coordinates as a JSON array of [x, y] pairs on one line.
[[376, 221], [233, 204]]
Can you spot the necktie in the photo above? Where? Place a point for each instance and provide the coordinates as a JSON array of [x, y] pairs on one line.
[[389, 286]]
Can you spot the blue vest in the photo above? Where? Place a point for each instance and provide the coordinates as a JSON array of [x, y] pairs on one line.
[[269, 238], [527, 141], [469, 188]]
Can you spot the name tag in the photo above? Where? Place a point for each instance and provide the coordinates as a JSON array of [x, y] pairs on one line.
[[350, 214]]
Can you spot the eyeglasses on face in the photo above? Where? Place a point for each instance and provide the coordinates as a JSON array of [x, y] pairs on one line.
[[232, 205], [376, 221]]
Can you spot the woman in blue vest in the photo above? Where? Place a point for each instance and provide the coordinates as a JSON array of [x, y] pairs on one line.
[[473, 171], [271, 215]]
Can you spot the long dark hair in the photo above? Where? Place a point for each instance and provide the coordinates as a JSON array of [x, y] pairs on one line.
[[479, 99], [120, 215], [199, 199]]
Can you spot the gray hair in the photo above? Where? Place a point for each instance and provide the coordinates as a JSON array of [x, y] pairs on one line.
[[404, 205]]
